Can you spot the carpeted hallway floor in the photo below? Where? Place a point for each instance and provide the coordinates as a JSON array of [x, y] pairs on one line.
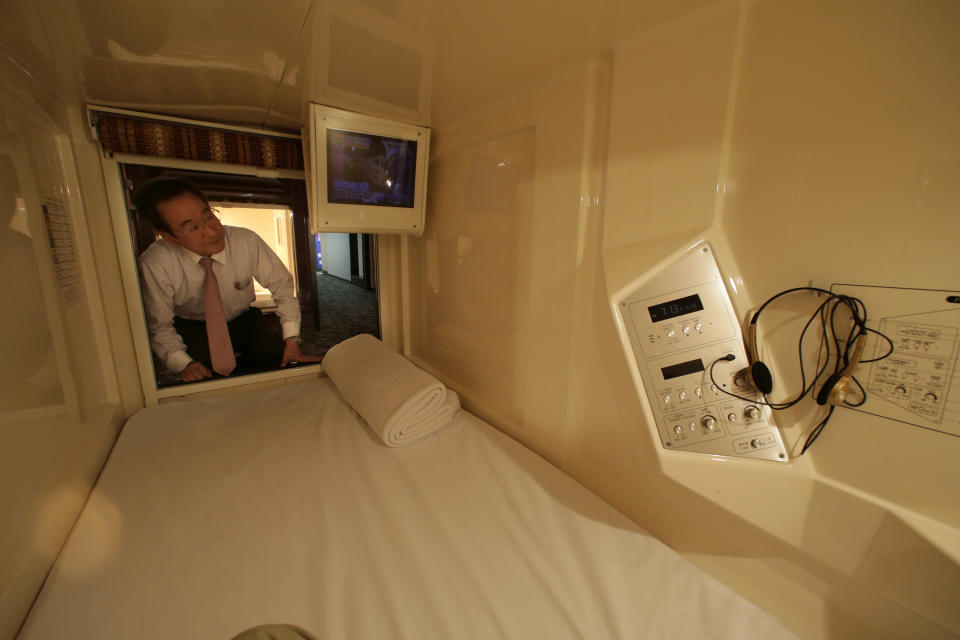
[[345, 311]]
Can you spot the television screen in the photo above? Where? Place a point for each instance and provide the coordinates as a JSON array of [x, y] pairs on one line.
[[368, 169]]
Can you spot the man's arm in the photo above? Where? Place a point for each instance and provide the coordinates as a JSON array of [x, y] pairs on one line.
[[293, 355], [158, 293], [272, 274], [195, 371]]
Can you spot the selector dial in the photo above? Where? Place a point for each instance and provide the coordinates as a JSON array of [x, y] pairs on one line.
[[751, 412], [708, 422]]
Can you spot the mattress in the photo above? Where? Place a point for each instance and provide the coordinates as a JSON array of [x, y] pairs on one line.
[[282, 506]]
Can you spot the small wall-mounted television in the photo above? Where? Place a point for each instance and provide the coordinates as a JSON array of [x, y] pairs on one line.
[[364, 173]]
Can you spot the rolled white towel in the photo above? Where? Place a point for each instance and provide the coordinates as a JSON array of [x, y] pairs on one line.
[[400, 401]]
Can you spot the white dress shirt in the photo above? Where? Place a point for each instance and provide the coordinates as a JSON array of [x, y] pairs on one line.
[[172, 284]]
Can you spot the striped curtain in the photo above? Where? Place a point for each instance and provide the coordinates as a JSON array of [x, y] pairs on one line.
[[120, 134]]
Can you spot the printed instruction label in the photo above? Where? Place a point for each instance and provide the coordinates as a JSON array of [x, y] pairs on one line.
[[62, 250], [918, 384]]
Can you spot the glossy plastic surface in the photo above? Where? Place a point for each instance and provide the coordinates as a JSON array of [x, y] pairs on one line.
[[59, 405]]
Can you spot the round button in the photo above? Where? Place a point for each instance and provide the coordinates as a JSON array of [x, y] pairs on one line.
[[699, 392], [693, 426], [671, 333], [732, 417], [683, 395], [666, 399], [698, 326], [678, 429], [708, 422], [755, 443], [686, 330]]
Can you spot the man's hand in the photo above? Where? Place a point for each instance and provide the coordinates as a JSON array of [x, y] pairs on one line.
[[195, 371], [292, 353]]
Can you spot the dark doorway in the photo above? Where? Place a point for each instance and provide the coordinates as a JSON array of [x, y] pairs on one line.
[[360, 262]]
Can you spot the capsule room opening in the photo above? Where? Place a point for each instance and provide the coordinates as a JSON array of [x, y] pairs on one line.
[[579, 153]]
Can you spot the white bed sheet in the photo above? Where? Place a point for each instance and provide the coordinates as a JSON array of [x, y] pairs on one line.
[[213, 516]]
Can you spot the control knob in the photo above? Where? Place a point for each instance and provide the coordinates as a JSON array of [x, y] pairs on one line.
[[751, 413], [709, 423]]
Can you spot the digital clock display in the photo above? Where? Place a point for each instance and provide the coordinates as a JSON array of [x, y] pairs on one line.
[[674, 308], [682, 369]]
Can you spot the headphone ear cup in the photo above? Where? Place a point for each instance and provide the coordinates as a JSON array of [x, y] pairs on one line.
[[823, 396], [757, 373], [834, 390], [761, 376], [755, 377]]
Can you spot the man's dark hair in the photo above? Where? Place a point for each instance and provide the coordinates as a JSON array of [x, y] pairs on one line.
[[148, 195], [376, 148]]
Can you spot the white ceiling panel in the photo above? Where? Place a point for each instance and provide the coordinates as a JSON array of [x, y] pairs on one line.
[[215, 59], [259, 64], [371, 56]]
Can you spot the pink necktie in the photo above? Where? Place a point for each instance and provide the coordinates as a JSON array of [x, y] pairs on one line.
[[218, 338]]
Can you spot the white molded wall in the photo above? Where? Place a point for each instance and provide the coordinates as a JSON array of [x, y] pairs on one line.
[[335, 250], [60, 404], [800, 140]]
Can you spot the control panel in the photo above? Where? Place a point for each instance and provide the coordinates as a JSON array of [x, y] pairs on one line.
[[681, 325]]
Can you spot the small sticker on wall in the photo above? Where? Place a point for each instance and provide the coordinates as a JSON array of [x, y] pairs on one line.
[[62, 250]]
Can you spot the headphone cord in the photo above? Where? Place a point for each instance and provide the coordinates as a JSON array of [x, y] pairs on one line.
[[827, 313], [817, 430], [805, 389]]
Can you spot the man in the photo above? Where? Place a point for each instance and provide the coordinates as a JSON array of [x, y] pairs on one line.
[[375, 172], [197, 285]]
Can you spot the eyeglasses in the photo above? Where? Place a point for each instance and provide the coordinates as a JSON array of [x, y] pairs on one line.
[[209, 218]]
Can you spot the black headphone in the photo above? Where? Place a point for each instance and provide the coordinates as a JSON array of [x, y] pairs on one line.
[[834, 390], [756, 375]]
